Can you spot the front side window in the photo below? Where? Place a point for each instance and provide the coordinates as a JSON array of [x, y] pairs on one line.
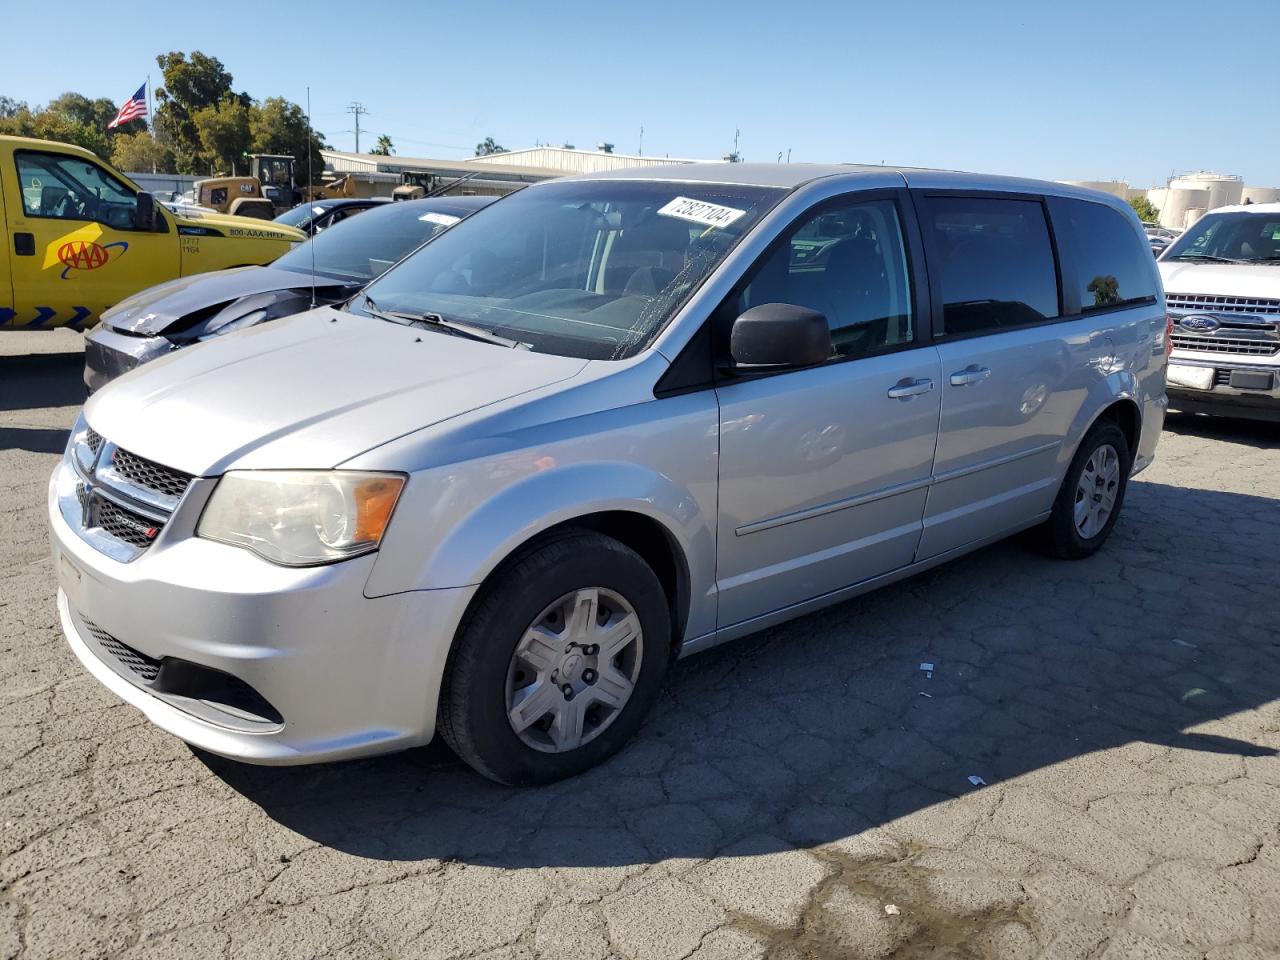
[[994, 262], [592, 268], [847, 262], [1113, 264], [62, 187], [1236, 237]]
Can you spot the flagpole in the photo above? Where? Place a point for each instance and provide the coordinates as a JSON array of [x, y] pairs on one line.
[[150, 122]]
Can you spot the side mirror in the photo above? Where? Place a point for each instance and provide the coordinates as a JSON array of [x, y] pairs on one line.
[[779, 336], [144, 215]]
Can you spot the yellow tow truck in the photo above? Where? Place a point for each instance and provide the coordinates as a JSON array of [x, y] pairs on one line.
[[80, 237]]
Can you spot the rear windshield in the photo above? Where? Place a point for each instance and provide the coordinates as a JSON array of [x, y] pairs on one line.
[[361, 248], [1237, 237], [589, 269]]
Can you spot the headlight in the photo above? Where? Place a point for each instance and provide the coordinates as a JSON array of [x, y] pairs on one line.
[[300, 518]]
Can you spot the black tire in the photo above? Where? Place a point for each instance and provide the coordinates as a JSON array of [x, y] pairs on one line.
[[472, 715], [1059, 535]]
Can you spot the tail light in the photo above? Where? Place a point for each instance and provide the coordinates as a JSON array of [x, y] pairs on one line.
[[1168, 335]]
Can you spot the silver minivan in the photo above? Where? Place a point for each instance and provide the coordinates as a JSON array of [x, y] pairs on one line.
[[605, 422]]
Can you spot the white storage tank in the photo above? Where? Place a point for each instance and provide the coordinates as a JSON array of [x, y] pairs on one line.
[[1251, 194], [1224, 189], [1181, 206]]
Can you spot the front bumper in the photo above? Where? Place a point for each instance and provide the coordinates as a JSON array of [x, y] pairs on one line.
[[344, 675], [109, 354], [1226, 386]]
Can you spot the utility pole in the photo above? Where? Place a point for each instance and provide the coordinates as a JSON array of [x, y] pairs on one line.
[[357, 108], [640, 152]]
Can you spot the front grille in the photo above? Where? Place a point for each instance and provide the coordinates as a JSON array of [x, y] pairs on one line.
[[139, 664], [1213, 304], [123, 524], [93, 440], [150, 475], [1222, 377], [1253, 348]]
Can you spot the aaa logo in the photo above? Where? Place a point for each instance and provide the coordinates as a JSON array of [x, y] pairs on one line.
[[86, 255]]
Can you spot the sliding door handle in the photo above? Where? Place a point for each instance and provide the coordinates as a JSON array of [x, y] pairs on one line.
[[970, 374], [907, 387]]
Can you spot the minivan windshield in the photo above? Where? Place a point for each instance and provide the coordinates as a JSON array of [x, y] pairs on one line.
[[361, 248], [1235, 237], [590, 269]]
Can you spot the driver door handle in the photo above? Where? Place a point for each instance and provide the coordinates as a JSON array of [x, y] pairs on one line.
[[970, 374], [907, 387]]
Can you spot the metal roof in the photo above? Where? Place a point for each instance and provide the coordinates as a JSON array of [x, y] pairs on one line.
[[344, 162]]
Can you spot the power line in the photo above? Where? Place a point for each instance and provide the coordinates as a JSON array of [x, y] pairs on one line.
[[357, 108]]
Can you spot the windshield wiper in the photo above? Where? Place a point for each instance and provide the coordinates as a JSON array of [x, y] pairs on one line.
[[1205, 256], [434, 320]]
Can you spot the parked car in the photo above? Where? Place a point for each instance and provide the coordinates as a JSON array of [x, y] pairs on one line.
[[605, 422], [1223, 282], [315, 216], [85, 237], [1159, 237], [329, 268]]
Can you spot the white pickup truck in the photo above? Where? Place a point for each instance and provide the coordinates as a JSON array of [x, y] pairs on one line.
[[1222, 288]]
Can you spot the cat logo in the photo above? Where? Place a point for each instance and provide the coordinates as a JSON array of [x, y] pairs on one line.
[[86, 255]]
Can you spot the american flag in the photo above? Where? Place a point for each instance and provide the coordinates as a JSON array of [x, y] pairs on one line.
[[133, 108]]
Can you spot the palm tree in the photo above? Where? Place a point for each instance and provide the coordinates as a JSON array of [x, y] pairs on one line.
[[384, 147]]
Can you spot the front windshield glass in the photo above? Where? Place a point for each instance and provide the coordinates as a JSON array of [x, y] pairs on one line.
[[361, 248], [590, 269], [1239, 237]]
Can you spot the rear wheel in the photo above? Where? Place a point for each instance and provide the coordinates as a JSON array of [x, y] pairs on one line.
[[558, 661], [1092, 494]]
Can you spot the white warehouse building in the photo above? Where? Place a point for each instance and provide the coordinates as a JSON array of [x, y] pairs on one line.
[[570, 160]]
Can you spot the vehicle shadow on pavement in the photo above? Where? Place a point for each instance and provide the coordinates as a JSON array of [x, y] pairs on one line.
[[42, 380], [1263, 434], [821, 729]]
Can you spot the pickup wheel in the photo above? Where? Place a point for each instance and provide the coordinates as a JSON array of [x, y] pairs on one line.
[[557, 662], [1092, 494]]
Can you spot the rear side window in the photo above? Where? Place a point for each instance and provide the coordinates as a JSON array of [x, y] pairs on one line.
[[1113, 267], [994, 262]]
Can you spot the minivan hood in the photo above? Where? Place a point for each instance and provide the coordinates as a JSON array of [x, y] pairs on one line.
[[1221, 279], [308, 392], [158, 308]]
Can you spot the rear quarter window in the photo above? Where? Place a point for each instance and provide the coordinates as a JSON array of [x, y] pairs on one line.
[[1113, 266]]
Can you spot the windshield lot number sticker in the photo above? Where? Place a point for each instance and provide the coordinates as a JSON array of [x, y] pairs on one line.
[[699, 211]]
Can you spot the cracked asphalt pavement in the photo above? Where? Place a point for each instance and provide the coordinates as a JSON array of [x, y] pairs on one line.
[[800, 793]]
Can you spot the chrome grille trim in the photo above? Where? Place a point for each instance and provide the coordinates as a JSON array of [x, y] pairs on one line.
[[1263, 306], [1237, 345], [115, 500]]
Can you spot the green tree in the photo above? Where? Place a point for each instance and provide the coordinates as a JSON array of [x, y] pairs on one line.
[[1147, 211], [223, 134], [384, 147], [278, 126], [190, 85], [140, 153], [489, 146]]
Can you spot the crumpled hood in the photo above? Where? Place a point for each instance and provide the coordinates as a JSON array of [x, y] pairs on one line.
[[308, 392], [158, 308], [1221, 279]]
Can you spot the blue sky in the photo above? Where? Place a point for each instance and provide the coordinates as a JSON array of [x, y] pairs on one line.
[[1129, 90]]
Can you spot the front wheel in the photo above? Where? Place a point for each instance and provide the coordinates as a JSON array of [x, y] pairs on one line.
[[1092, 494], [558, 661]]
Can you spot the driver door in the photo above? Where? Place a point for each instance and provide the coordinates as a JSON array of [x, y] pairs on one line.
[[74, 249]]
